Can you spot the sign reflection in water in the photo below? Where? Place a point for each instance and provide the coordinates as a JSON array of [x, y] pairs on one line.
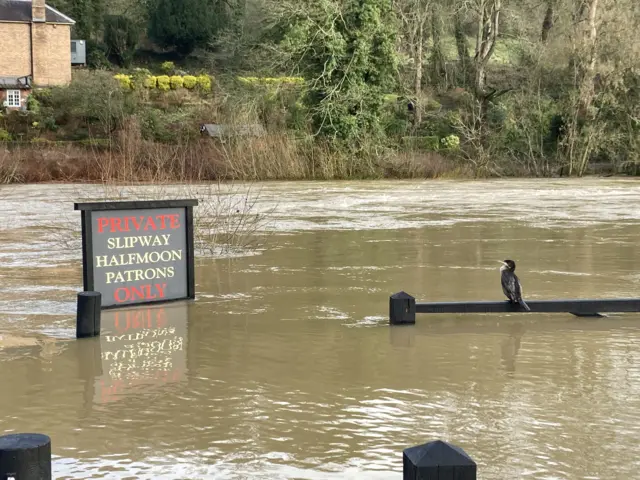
[[142, 349]]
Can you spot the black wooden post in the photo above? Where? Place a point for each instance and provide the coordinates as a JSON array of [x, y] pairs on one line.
[[581, 307], [437, 461], [25, 456], [402, 309], [88, 314]]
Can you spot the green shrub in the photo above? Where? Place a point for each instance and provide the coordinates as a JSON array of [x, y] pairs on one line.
[[33, 105], [204, 82], [94, 99], [167, 67], [41, 94], [150, 82], [50, 124], [124, 80], [139, 76], [528, 125], [165, 127], [190, 82], [4, 135], [497, 114], [176, 82], [97, 56], [428, 143], [254, 81], [164, 83], [141, 71], [19, 123], [450, 142], [297, 115]]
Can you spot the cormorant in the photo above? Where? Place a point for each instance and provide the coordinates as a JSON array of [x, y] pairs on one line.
[[511, 284]]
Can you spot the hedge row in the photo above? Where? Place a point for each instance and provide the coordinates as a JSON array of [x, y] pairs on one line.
[[271, 80], [165, 83]]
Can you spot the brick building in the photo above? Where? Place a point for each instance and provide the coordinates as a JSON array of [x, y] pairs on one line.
[[35, 49]]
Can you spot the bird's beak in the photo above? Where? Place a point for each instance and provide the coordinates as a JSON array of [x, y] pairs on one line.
[[500, 261]]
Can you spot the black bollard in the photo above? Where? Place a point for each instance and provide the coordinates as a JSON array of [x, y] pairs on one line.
[[25, 456], [402, 309], [88, 315], [437, 461]]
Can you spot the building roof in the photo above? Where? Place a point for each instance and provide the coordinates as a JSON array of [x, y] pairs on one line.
[[15, 82], [20, 11], [215, 130]]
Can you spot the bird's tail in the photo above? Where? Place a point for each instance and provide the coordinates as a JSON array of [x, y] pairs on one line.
[[524, 305]]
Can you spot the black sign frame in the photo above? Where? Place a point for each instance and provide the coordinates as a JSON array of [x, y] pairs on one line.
[[87, 210]]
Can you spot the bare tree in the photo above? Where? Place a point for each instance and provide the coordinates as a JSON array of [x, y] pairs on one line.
[[461, 40], [488, 19], [438, 68], [415, 15], [580, 140]]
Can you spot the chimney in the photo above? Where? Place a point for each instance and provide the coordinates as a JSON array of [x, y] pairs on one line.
[[38, 11]]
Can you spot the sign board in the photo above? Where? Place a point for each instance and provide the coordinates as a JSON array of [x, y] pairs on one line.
[[138, 252], [143, 350]]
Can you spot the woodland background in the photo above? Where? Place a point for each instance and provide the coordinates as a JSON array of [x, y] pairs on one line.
[[342, 89]]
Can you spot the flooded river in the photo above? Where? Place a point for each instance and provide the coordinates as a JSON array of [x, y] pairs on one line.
[[285, 366]]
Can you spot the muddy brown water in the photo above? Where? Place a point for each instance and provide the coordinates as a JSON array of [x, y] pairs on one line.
[[285, 367]]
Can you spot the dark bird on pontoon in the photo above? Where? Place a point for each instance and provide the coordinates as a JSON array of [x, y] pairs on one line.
[[511, 283]]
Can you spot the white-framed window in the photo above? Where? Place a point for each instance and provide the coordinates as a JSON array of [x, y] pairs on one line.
[[13, 98]]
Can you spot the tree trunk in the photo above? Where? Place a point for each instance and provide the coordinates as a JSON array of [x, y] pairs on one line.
[[580, 142], [547, 22], [588, 61], [461, 45], [438, 70], [593, 35], [414, 15], [488, 22], [418, 80]]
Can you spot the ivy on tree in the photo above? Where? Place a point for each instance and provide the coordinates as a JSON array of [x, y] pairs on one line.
[[347, 50]]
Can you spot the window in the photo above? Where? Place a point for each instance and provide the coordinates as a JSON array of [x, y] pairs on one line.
[[13, 98], [73, 47]]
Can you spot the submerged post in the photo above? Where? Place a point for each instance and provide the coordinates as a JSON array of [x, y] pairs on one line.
[[25, 456], [402, 309], [437, 461], [88, 314]]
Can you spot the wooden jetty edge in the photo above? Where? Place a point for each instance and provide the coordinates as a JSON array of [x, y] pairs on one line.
[[403, 307], [27, 456]]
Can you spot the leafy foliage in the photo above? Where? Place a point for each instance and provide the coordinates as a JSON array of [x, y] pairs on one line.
[[88, 15], [498, 86], [121, 37], [346, 50], [189, 82], [184, 24]]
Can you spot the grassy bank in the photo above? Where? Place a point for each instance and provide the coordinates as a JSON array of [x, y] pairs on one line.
[[146, 127], [273, 158], [142, 125]]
